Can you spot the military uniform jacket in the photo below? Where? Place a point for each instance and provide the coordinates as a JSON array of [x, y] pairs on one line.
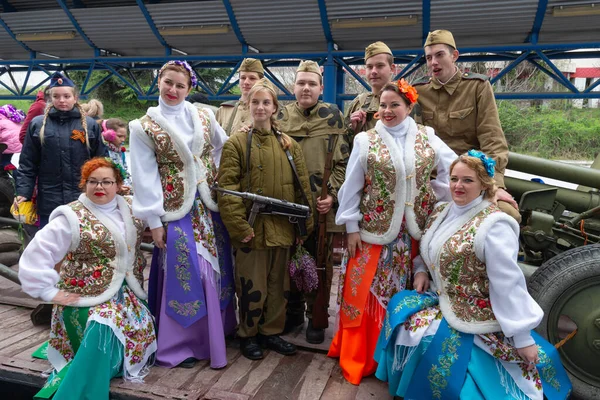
[[311, 129], [270, 175], [233, 115], [463, 113], [368, 102]]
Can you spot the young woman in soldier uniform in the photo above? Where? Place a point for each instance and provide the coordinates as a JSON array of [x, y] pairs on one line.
[[384, 202], [470, 336], [175, 153], [87, 261], [256, 162]]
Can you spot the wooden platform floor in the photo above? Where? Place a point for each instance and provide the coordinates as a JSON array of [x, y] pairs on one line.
[[308, 375]]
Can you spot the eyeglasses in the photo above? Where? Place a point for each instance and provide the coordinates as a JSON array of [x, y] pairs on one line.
[[104, 184]]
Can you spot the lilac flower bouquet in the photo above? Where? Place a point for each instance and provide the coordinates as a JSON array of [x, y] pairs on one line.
[[303, 270]]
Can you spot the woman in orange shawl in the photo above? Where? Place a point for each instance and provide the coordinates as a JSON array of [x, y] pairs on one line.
[[384, 202]]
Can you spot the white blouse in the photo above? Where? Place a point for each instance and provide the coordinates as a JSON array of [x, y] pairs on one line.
[[350, 193], [49, 246], [148, 199], [516, 311]]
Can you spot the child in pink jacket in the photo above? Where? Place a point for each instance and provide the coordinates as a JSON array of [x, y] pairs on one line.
[[11, 120]]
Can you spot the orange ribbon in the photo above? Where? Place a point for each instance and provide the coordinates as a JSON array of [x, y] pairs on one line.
[[78, 135]]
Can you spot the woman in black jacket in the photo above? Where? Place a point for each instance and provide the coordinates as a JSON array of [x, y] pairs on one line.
[[57, 144]]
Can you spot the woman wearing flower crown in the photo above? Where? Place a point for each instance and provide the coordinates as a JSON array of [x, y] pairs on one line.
[[175, 152], [465, 331], [87, 261], [384, 202]]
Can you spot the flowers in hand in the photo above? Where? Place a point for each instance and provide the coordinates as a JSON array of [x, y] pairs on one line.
[[488, 162], [303, 270], [409, 91]]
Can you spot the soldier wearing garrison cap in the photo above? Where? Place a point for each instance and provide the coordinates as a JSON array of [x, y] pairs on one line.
[[462, 109], [232, 115], [379, 63], [313, 123]]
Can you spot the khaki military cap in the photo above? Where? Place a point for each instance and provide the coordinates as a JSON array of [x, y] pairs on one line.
[[440, 36], [252, 65], [264, 82], [309, 66], [377, 48]]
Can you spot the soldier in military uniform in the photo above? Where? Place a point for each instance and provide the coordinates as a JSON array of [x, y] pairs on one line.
[[313, 123], [232, 115], [379, 63], [462, 110]]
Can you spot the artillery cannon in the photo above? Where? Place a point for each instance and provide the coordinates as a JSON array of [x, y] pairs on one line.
[[560, 255]]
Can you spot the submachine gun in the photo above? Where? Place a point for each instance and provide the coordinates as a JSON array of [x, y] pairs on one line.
[[296, 213]]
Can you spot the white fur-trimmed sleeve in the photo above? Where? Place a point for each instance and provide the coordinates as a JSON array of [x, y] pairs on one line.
[[36, 266], [514, 308], [444, 157], [350, 193], [148, 194]]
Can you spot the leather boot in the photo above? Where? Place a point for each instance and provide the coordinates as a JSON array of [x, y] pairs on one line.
[[250, 348], [314, 336], [276, 343]]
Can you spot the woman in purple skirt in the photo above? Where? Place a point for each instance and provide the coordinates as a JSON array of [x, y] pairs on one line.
[[175, 152]]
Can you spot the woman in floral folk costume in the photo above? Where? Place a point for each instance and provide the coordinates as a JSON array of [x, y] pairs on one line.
[[100, 326], [469, 336], [384, 202], [175, 152]]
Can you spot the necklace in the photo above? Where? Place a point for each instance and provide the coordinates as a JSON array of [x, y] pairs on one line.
[[443, 83]]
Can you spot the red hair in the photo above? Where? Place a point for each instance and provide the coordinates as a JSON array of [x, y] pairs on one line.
[[95, 163]]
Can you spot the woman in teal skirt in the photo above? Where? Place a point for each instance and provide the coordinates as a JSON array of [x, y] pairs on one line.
[[465, 332], [87, 261]]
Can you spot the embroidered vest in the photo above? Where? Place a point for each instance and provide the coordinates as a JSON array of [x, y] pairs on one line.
[[387, 192], [94, 269], [465, 294], [178, 180]]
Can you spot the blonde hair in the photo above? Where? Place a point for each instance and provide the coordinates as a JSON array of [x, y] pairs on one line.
[[475, 164], [264, 84], [93, 108], [83, 120]]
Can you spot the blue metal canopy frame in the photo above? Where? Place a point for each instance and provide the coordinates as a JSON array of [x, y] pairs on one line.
[[337, 65]]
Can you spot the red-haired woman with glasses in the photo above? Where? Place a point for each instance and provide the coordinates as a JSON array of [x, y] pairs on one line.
[[88, 262]]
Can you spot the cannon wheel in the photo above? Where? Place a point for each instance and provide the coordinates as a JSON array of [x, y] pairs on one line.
[[568, 285]]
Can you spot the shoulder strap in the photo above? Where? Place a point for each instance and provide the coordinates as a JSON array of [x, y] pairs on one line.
[[248, 150], [293, 165], [230, 122]]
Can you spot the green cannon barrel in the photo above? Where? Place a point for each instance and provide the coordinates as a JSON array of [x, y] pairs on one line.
[[555, 170], [573, 200]]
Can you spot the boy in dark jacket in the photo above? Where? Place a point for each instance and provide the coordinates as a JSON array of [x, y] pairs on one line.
[[57, 144]]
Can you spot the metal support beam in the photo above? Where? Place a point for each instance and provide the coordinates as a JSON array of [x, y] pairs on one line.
[[353, 73], [77, 27], [22, 91], [152, 26], [509, 67], [276, 82], [538, 21], [426, 19], [88, 76], [225, 86], [558, 72], [325, 21], [403, 73], [98, 84], [593, 86], [235, 26], [122, 78], [329, 78], [14, 37], [340, 87]]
